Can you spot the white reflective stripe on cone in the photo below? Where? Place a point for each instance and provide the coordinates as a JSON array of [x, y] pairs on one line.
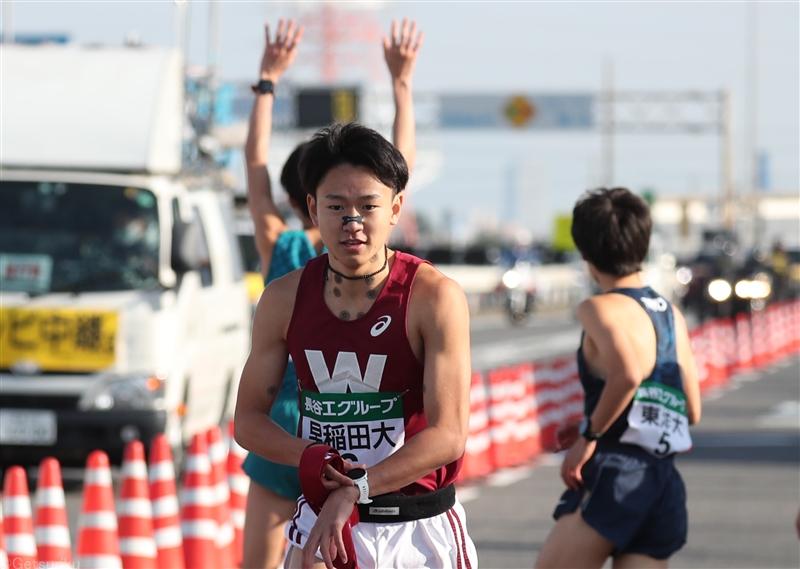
[[16, 507], [20, 544], [138, 546], [135, 507], [239, 483], [98, 520], [166, 506], [197, 463], [168, 537], [134, 469], [54, 536], [225, 534], [203, 529], [198, 496], [161, 471], [237, 516], [50, 497], [97, 476]]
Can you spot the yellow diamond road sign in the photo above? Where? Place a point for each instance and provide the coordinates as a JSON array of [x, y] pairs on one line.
[[519, 111]]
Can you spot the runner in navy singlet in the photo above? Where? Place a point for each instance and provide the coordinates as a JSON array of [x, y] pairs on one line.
[[380, 341], [625, 498]]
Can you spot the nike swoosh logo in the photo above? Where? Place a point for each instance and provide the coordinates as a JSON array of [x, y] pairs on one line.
[[381, 325]]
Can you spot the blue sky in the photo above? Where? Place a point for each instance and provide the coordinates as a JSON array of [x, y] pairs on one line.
[[505, 47]]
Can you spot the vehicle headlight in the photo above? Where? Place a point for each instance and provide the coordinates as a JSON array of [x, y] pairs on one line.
[[719, 290], [684, 275], [511, 279], [138, 392], [757, 288]]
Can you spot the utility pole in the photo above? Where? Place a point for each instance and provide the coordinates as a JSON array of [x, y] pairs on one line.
[[609, 126], [727, 185], [751, 80], [8, 21]]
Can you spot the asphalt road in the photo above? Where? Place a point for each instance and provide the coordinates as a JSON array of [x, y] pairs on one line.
[[742, 477]]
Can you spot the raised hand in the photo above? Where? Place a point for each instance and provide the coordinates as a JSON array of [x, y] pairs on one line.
[[280, 53], [401, 49]]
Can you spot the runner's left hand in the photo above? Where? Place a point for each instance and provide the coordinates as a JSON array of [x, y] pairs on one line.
[[327, 531], [333, 479], [576, 457]]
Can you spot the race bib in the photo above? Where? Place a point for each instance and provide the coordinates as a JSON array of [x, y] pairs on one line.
[[363, 427], [657, 420]]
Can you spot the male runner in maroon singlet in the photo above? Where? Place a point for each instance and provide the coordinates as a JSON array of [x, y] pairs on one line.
[[380, 341]]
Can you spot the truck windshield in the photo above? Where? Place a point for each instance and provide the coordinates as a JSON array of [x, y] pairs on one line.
[[57, 237]]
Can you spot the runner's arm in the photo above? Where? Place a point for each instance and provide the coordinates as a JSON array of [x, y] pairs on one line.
[[400, 52], [624, 375], [262, 377], [278, 56], [444, 325], [691, 385]]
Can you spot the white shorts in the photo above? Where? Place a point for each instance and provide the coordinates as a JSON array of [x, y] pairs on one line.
[[440, 542]]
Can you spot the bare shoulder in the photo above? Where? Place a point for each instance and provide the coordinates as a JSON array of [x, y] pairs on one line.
[[680, 321], [434, 290], [276, 304]]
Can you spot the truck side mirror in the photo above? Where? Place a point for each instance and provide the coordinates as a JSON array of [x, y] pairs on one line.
[[188, 248]]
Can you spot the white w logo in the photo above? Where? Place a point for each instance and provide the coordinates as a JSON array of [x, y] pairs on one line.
[[346, 373]]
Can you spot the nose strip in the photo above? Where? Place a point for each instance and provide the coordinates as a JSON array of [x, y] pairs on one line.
[[348, 218]]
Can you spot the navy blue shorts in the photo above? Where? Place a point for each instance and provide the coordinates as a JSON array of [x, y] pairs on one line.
[[634, 500]]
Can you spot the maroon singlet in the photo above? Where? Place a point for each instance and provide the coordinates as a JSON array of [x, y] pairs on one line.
[[360, 382]]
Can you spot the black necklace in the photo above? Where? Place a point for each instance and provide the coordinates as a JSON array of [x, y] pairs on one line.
[[360, 277]]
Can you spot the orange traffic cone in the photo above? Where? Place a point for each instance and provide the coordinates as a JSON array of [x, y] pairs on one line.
[[98, 540], [3, 554], [167, 523], [198, 520], [20, 543], [218, 453], [239, 484], [135, 513], [51, 527]]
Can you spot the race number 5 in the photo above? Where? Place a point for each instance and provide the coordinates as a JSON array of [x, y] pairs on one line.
[[663, 441]]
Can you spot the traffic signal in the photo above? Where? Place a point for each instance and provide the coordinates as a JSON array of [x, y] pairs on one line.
[[318, 107]]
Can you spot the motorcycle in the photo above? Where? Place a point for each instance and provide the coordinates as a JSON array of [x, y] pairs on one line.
[[519, 292]]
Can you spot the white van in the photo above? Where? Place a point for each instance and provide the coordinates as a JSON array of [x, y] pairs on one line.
[[123, 310]]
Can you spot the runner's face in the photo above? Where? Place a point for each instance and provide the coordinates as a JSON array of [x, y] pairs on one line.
[[350, 191]]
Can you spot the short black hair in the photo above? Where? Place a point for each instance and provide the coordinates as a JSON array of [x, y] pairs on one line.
[[611, 228], [290, 179], [356, 145]]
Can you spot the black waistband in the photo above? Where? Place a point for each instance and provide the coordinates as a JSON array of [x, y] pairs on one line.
[[397, 507]]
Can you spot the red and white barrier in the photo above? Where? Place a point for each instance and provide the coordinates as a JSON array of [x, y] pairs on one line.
[[478, 458]]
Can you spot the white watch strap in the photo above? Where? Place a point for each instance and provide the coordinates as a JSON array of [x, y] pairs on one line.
[[363, 490]]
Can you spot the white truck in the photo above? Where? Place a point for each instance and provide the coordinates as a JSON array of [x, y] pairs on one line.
[[123, 310]]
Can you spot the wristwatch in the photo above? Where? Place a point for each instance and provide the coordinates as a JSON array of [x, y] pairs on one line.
[[586, 430], [359, 476], [264, 87]]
